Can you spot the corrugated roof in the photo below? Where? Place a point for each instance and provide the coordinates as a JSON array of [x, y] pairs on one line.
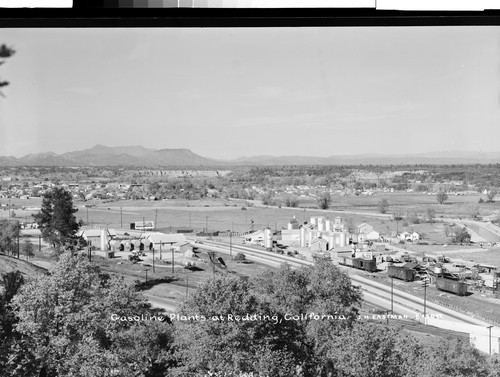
[[173, 238]]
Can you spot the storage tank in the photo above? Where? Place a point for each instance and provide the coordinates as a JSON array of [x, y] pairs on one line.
[[342, 239], [321, 224], [268, 241], [438, 270], [303, 237], [314, 220], [104, 239], [328, 225]]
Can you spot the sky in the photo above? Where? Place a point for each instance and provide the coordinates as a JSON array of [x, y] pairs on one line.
[[232, 92]]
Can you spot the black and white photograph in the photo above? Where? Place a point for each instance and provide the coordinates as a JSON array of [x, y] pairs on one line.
[[250, 201]]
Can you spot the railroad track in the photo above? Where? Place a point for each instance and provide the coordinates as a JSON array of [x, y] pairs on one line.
[[405, 300]]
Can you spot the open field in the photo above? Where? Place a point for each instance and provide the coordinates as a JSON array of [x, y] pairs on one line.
[[222, 215], [404, 202]]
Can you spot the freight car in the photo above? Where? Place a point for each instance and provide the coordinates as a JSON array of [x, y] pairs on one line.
[[402, 273], [369, 265], [452, 286]]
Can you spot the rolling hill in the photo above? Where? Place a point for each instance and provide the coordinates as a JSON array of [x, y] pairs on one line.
[[138, 156]]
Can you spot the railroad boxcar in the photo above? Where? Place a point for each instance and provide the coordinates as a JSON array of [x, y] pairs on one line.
[[369, 265], [452, 286], [401, 273], [346, 261]]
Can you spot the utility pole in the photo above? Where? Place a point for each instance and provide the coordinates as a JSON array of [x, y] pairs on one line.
[[231, 244], [146, 270], [489, 328], [39, 242], [206, 224], [154, 258], [156, 220], [121, 217], [173, 269], [425, 283], [392, 294]]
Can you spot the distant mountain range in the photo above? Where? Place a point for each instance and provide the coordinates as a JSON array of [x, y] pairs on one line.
[[138, 156]]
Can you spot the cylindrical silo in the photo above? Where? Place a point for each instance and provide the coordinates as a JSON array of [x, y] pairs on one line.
[[321, 224], [328, 225], [104, 239], [303, 237], [268, 241], [342, 240], [314, 221]]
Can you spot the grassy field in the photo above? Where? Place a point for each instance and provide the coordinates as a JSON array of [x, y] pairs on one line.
[[402, 202], [222, 215]]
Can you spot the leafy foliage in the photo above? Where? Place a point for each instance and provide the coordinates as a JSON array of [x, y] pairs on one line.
[[61, 325], [9, 233], [441, 197], [66, 318], [56, 219], [490, 195], [324, 200], [461, 236], [215, 342], [28, 249], [291, 201], [383, 205]]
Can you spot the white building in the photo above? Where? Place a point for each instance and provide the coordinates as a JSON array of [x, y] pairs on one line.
[[256, 237], [165, 241]]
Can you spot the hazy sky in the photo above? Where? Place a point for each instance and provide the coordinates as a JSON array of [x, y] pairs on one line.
[[227, 93]]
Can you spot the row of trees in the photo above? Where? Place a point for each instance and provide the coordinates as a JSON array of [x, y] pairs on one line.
[[77, 321]]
